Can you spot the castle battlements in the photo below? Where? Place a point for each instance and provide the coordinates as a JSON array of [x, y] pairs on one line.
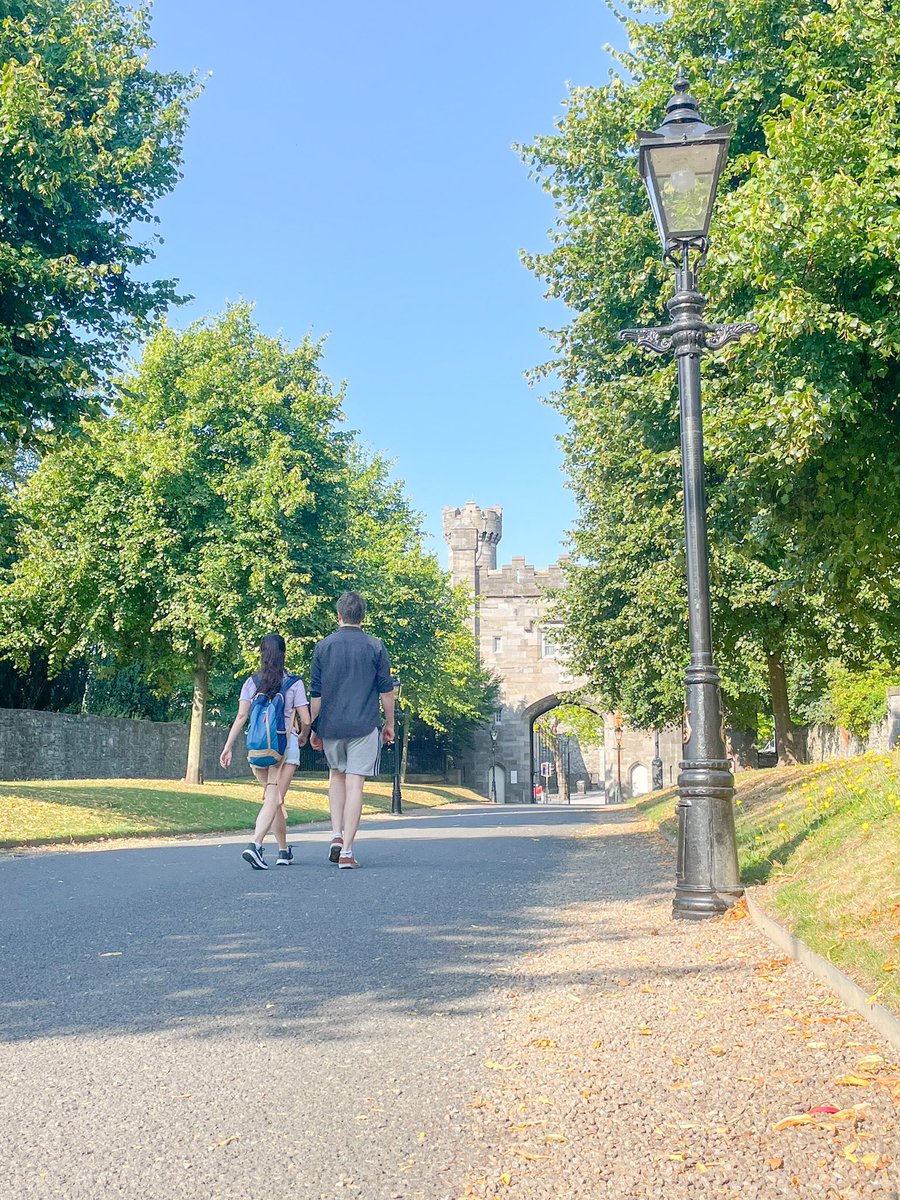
[[520, 578]]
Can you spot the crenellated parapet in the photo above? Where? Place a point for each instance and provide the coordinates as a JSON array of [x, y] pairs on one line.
[[521, 578]]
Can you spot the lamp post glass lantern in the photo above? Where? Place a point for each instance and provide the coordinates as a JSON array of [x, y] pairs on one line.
[[680, 164], [396, 795]]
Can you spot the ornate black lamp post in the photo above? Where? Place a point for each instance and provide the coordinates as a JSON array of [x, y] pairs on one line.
[[680, 164], [493, 734], [396, 796], [617, 717], [656, 765]]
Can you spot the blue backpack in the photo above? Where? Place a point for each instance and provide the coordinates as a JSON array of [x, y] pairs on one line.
[[266, 733]]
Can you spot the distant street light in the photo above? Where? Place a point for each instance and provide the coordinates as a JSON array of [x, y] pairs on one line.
[[680, 164], [493, 789], [617, 717], [656, 767], [396, 796]]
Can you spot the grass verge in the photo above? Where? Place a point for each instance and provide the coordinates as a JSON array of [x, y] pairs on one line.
[[823, 844], [78, 810]]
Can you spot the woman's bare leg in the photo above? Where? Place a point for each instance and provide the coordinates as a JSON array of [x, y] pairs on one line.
[[271, 804], [279, 825]]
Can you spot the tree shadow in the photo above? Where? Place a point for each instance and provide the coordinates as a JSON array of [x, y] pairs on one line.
[[187, 939]]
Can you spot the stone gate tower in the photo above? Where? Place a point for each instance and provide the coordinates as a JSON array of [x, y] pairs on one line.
[[472, 533], [514, 638]]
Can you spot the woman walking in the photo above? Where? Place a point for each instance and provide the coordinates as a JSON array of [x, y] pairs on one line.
[[269, 682]]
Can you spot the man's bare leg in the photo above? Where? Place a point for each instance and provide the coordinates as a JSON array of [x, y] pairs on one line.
[[337, 798], [352, 809]]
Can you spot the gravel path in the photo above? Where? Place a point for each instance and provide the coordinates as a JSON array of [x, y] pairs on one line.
[[497, 1005], [644, 1057]]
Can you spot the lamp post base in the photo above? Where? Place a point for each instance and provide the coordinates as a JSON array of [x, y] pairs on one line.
[[396, 800], [696, 903]]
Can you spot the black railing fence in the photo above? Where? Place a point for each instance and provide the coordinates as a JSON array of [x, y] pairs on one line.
[[421, 760]]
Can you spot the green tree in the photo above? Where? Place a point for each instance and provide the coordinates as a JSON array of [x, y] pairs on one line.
[[90, 138], [205, 510], [802, 424]]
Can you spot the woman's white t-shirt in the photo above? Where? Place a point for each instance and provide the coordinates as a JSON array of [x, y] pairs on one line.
[[295, 697]]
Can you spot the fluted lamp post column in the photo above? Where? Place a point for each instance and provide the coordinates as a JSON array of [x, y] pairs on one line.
[[680, 164], [619, 720], [493, 784], [396, 795]]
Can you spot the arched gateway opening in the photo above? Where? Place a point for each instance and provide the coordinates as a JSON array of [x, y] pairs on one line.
[[562, 753]]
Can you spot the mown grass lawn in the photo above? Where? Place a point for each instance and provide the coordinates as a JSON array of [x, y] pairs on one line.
[[823, 844], [40, 813]]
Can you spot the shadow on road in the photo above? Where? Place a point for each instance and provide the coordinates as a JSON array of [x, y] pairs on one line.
[[187, 938]]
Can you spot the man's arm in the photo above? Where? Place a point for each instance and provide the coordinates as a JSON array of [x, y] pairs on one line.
[[315, 696], [385, 685], [387, 703]]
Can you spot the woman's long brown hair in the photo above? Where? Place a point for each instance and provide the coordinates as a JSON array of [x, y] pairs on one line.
[[271, 664]]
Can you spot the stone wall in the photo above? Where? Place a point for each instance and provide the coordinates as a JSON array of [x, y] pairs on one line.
[[821, 742], [48, 745]]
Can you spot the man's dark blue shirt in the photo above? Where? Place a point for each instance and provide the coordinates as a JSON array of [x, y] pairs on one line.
[[350, 669]]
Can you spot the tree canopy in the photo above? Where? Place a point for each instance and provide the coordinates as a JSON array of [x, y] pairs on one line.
[[90, 138], [218, 500], [802, 423]]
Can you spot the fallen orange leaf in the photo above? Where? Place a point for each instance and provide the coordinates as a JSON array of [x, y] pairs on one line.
[[790, 1122], [495, 1066], [851, 1080], [737, 912], [775, 1163], [870, 1062], [543, 1043]]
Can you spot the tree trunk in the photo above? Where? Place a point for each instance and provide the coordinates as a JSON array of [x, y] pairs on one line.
[[404, 757], [194, 772], [785, 741]]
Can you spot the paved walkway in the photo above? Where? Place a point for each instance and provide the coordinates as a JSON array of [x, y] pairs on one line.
[[174, 1025]]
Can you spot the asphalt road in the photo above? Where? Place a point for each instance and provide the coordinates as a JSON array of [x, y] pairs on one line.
[[174, 1024]]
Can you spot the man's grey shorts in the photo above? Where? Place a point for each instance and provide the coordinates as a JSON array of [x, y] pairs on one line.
[[355, 756]]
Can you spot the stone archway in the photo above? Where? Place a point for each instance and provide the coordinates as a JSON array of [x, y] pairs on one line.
[[537, 709]]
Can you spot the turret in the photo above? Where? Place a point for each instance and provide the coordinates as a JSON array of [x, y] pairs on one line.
[[472, 533]]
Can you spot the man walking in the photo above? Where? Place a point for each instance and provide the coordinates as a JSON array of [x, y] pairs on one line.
[[350, 672]]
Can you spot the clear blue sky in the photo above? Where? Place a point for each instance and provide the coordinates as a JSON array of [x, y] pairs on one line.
[[349, 169]]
